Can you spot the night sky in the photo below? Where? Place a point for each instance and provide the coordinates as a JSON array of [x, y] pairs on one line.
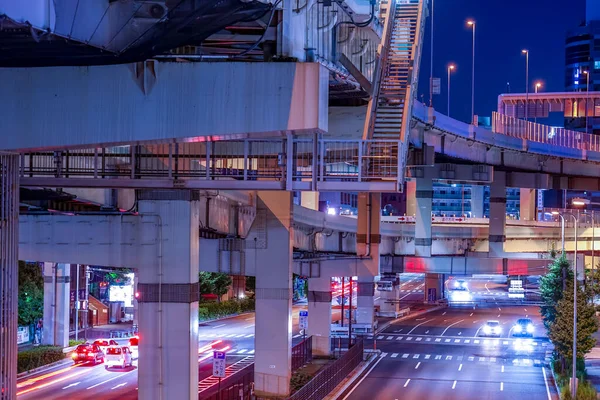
[[504, 28]]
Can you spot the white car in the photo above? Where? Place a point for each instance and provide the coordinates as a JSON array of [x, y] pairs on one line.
[[105, 343], [492, 328], [118, 356], [133, 345]]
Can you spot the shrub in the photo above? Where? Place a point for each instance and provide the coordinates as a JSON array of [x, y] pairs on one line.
[[73, 342], [38, 356], [211, 310], [298, 380]]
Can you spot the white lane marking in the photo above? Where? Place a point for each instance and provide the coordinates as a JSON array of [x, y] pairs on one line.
[[438, 357], [363, 378], [384, 355], [218, 326], [392, 338], [409, 338], [394, 355], [460, 367], [119, 385], [448, 358], [426, 332], [417, 366], [406, 383], [298, 335], [454, 385], [427, 356], [428, 339], [416, 356], [239, 336], [499, 309], [405, 355], [419, 339], [525, 309], [444, 313], [546, 382], [399, 338], [111, 379], [456, 340], [381, 337], [449, 326], [471, 315], [242, 351], [249, 326], [71, 385], [477, 341], [502, 383], [229, 336], [459, 333], [251, 352], [503, 368], [447, 341], [249, 336], [416, 326], [467, 341], [438, 340]]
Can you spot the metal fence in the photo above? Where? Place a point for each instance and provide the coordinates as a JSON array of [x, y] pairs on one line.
[[238, 386], [301, 353], [534, 132], [331, 376]]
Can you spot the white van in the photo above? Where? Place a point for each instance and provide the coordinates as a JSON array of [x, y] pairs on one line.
[[118, 356]]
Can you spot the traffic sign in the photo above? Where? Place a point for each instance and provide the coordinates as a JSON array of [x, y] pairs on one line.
[[303, 319], [219, 364]]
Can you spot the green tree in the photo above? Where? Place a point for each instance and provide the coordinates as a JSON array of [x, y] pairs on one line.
[[31, 293], [551, 288], [251, 285], [561, 331], [214, 282]]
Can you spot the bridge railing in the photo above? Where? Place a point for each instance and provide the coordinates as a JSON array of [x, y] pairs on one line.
[[535, 132], [279, 159]]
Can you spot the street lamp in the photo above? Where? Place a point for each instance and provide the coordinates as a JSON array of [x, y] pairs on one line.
[[574, 375], [471, 23], [526, 52], [587, 99], [451, 67]]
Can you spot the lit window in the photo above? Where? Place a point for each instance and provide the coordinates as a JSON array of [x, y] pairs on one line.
[[596, 64]]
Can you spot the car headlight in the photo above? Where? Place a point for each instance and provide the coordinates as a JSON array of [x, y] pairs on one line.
[[530, 328], [487, 329], [456, 284], [518, 328], [74, 355]]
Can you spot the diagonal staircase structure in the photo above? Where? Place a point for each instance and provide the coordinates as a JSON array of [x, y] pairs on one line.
[[395, 86]]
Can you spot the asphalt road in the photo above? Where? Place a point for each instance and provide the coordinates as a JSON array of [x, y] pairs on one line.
[[233, 335], [442, 355]]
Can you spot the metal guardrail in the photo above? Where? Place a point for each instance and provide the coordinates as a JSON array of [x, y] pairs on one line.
[[239, 386], [540, 133], [329, 377], [301, 353], [290, 161]]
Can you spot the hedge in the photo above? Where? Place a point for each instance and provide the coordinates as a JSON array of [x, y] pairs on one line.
[[212, 310], [585, 390], [38, 356]]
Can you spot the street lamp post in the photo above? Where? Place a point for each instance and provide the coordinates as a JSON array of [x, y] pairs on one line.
[[471, 23], [538, 85], [574, 367], [526, 52], [450, 68]]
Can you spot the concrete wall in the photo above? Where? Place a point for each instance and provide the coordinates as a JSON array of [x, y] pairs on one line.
[[73, 106]]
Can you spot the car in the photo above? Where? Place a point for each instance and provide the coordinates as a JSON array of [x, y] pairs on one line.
[[492, 328], [523, 327], [118, 356], [87, 353], [105, 343], [133, 345], [460, 284]]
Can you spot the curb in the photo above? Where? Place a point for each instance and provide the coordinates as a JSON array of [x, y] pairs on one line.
[[416, 314], [554, 381], [340, 390], [42, 368]]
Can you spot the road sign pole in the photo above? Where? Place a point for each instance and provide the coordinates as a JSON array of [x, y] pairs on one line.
[[219, 388]]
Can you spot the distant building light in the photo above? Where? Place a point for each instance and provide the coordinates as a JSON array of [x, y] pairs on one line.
[[331, 211]]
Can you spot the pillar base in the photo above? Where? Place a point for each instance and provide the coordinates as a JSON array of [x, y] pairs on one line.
[[271, 386], [321, 345]]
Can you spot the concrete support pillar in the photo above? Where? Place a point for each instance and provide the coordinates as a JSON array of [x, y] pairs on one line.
[[9, 243], [424, 196], [365, 301], [528, 202], [57, 288], [434, 287], [368, 235], [319, 314], [411, 198], [310, 200], [271, 236], [477, 201], [136, 306], [168, 296], [497, 214]]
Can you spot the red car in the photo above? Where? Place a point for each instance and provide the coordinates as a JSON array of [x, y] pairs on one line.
[[85, 353]]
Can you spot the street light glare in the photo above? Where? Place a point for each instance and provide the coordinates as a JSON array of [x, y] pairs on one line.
[[451, 66], [470, 22], [555, 213], [524, 51], [538, 85]]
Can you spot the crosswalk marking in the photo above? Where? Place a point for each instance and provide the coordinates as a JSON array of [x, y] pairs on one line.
[[399, 338], [419, 339], [242, 351], [467, 341], [476, 341], [428, 339], [409, 338], [405, 355], [379, 337], [448, 358], [384, 354], [389, 338], [492, 359], [438, 340], [394, 355], [251, 352], [249, 336], [447, 340], [456, 340], [505, 342], [416, 356], [471, 358], [438, 357], [427, 356], [481, 358]]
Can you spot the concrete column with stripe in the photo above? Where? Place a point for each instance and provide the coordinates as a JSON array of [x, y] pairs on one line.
[[270, 243], [319, 314], [168, 295], [365, 302], [424, 195], [477, 201], [497, 215], [57, 289], [528, 204]]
